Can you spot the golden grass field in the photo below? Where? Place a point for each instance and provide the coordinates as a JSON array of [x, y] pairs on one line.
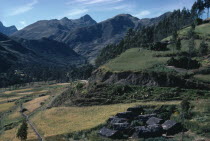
[[10, 135], [10, 98], [6, 106], [63, 120], [17, 91], [34, 91], [35, 103]]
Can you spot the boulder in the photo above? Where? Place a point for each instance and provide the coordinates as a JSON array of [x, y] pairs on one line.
[[126, 115], [136, 110], [109, 133], [145, 118], [171, 127], [154, 120]]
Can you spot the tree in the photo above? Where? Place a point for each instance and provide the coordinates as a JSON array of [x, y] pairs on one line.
[[207, 5], [191, 44], [203, 50], [22, 131], [194, 10], [178, 45], [185, 107], [200, 7], [174, 39]]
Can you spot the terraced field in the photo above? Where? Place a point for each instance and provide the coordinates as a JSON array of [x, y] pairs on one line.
[[32, 98]]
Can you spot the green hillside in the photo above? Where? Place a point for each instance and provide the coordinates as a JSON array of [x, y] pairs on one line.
[[201, 30], [135, 59], [138, 59]]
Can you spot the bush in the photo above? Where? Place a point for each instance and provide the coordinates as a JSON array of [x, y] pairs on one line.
[[79, 86], [183, 62], [198, 21], [158, 46]]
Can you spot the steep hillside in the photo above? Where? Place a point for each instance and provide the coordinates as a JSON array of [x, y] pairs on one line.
[[84, 35], [45, 52], [7, 30], [88, 41], [53, 53], [142, 66], [13, 54]]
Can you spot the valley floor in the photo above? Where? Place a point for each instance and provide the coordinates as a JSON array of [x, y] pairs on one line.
[[60, 121]]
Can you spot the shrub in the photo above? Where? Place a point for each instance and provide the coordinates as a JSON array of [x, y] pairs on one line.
[[183, 62], [79, 86], [198, 21], [158, 46]]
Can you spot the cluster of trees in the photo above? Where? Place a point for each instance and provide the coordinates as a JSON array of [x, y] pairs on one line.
[[23, 131], [145, 36], [183, 62], [41, 73], [198, 8]]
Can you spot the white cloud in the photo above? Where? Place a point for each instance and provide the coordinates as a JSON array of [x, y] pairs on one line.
[[143, 14], [23, 23], [75, 13], [24, 8], [91, 2]]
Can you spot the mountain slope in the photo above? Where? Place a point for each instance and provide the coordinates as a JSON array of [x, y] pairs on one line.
[[85, 36], [53, 53], [54, 29], [45, 52], [88, 41], [7, 30], [13, 54]]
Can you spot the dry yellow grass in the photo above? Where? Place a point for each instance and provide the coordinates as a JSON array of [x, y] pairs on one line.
[[11, 98], [36, 92], [41, 92], [6, 106], [34, 104], [16, 114], [60, 84], [70, 119], [16, 91], [10, 135]]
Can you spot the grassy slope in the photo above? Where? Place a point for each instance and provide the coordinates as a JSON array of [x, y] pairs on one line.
[[202, 30], [137, 60]]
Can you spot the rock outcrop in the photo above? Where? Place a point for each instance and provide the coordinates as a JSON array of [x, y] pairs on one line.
[[144, 79]]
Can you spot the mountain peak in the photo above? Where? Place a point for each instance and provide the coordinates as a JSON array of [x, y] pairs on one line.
[[65, 19], [86, 18], [7, 30]]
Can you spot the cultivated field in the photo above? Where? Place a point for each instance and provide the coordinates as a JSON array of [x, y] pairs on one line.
[[74, 119]]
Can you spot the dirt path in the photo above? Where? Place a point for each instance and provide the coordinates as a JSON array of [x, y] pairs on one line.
[[31, 124]]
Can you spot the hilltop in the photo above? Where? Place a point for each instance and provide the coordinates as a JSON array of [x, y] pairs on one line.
[[7, 30]]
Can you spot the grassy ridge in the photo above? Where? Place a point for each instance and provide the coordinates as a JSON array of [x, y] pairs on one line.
[[135, 59]]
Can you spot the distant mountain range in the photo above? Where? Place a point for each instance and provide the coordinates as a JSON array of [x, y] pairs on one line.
[[84, 35], [7, 30]]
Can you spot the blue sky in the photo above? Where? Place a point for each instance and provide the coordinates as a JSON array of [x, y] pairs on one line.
[[24, 12]]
